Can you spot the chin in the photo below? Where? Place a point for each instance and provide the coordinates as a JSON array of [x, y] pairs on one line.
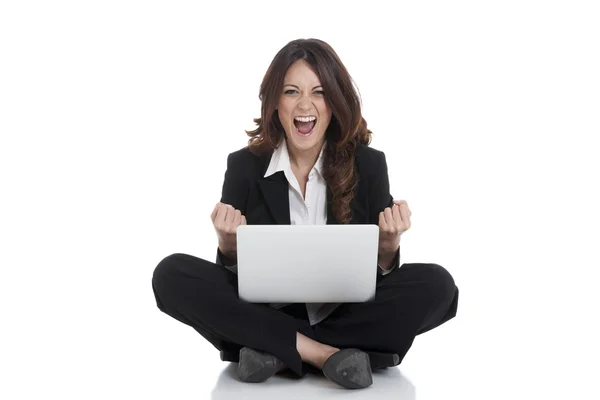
[[306, 142]]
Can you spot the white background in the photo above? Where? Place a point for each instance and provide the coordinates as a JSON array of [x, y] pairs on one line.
[[116, 118]]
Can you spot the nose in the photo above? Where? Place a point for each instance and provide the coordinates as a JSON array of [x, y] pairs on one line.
[[304, 103]]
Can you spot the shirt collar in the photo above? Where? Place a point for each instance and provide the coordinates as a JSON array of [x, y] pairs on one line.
[[280, 160]]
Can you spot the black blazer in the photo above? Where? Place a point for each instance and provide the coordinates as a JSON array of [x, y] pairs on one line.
[[266, 200]]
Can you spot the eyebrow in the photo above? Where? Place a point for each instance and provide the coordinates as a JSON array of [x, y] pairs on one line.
[[289, 84]]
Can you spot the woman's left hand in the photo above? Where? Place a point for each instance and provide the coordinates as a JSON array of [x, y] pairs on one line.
[[393, 222]]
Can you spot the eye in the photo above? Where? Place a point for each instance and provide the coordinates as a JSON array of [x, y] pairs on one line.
[[319, 92], [290, 91]]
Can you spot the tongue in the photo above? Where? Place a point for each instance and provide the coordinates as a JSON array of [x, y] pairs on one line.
[[305, 127]]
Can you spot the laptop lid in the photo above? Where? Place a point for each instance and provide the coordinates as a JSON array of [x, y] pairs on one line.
[[307, 263]]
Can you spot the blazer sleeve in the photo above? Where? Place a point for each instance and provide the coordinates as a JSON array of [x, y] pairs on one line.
[[379, 189], [235, 192], [236, 182], [380, 198]]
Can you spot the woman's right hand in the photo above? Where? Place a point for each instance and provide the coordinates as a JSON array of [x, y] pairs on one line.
[[226, 219]]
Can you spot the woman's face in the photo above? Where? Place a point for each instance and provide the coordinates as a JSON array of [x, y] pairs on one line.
[[303, 112]]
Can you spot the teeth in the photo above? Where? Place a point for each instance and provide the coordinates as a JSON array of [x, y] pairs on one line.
[[305, 119]]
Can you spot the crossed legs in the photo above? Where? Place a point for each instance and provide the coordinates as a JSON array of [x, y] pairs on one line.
[[409, 301]]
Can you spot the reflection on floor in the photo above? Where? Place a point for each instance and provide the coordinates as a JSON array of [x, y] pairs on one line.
[[387, 384]]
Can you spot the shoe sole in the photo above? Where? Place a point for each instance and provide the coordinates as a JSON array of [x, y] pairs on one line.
[[255, 367], [349, 368]]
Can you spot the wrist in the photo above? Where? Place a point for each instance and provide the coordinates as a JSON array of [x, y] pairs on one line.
[[387, 256], [387, 247], [228, 251]]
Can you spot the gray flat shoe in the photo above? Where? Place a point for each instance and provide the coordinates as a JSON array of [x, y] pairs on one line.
[[349, 368], [256, 366]]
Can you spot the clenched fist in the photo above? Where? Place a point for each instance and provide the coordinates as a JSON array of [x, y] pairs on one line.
[[393, 222], [226, 219]]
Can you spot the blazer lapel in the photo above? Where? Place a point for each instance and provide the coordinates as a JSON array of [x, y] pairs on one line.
[[276, 196], [330, 218]]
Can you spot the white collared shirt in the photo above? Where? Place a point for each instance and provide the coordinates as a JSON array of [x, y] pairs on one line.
[[312, 209]]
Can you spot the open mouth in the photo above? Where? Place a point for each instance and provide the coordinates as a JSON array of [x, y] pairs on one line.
[[305, 125]]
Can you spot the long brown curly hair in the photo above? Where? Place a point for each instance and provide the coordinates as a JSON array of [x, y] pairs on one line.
[[346, 130]]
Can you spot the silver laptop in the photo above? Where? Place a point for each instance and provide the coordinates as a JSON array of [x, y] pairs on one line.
[[307, 263]]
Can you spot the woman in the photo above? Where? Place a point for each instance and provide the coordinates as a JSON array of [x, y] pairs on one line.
[[308, 162]]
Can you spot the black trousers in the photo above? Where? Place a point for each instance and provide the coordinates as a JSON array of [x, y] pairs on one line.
[[411, 300]]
